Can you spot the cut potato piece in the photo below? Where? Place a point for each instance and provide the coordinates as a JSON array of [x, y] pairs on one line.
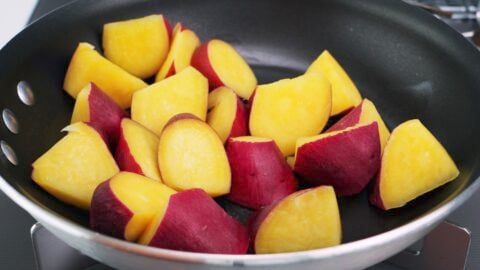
[[289, 109], [346, 159], [87, 66], [190, 155], [260, 174], [100, 111], [137, 150], [363, 114], [345, 94], [413, 163], [185, 92], [305, 220], [139, 46], [124, 206], [75, 166], [195, 222], [227, 114], [184, 43], [224, 66]]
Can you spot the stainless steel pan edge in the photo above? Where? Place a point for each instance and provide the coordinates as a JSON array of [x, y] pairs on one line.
[[124, 255]]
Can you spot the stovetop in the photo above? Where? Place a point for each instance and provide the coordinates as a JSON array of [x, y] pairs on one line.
[[17, 252]]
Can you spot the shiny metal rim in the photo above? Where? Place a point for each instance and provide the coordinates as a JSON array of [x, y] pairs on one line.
[[228, 260]]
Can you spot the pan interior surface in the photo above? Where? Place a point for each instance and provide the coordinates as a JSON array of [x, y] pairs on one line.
[[407, 63]]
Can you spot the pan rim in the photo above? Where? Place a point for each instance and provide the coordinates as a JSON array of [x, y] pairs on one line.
[[79, 231]]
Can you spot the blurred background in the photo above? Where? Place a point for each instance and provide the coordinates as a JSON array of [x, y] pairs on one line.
[[14, 15]]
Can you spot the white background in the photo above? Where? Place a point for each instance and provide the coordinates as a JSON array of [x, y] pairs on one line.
[[14, 16]]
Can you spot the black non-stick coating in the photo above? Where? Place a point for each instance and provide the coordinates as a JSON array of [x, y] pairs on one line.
[[408, 63]]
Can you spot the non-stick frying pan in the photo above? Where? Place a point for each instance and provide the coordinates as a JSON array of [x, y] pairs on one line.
[[410, 64]]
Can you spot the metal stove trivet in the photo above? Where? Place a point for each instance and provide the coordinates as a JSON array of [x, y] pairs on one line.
[[462, 15], [52, 253], [446, 247]]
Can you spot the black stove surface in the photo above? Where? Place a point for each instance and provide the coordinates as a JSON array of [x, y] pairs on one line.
[[16, 251]]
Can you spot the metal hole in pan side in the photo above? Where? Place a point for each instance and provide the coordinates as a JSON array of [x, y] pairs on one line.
[[10, 121], [25, 93], [8, 152]]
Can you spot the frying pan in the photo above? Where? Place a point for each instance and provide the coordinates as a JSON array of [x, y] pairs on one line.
[[410, 64]]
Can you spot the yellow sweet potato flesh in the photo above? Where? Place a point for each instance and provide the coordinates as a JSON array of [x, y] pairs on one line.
[[75, 166], [413, 163], [345, 94], [307, 219]]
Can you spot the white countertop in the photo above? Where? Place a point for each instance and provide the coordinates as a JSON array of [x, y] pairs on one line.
[[14, 15]]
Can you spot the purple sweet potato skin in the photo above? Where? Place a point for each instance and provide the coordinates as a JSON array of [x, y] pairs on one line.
[[194, 222], [347, 161], [108, 215], [260, 174], [255, 220], [124, 158], [350, 119], [240, 124], [375, 196], [105, 115]]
